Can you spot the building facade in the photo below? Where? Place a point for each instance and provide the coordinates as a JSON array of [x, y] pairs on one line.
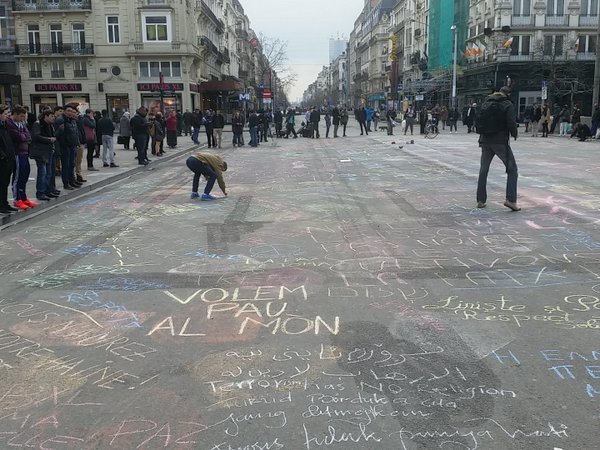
[[10, 82], [119, 55]]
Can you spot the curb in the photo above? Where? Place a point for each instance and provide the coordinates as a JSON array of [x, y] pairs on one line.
[[10, 220]]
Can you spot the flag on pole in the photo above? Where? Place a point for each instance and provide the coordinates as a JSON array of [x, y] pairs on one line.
[[577, 45], [482, 45], [508, 42], [467, 52], [475, 49]]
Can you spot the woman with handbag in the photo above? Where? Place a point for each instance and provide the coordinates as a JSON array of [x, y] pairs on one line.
[[124, 131], [89, 128]]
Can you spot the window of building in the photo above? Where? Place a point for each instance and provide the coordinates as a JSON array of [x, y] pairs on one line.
[[78, 36], [589, 7], [152, 69], [521, 45], [35, 69], [554, 45], [33, 38], [56, 37], [521, 7], [57, 69], [587, 44], [113, 32], [157, 27], [80, 68], [555, 8]]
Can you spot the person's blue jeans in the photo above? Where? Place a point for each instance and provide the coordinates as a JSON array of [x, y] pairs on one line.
[[22, 169], [199, 168], [195, 132], [253, 137], [504, 152], [41, 181], [238, 139], [67, 162], [51, 175]]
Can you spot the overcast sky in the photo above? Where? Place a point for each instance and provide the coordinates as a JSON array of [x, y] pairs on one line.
[[306, 25]]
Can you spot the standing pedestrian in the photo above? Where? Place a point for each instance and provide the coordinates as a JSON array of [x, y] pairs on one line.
[[253, 128], [423, 117], [125, 130], [187, 122], [575, 116], [7, 161], [67, 134], [290, 122], [278, 120], [21, 138], [361, 117], [555, 118], [211, 167], [409, 118], [89, 128], [495, 126], [444, 114], [545, 120], [564, 118], [391, 120], [527, 117], [196, 121], [218, 125], [41, 151], [536, 116], [171, 125], [140, 131], [335, 114], [106, 128], [344, 119], [470, 117], [315, 118], [207, 121], [453, 116], [237, 127], [327, 123], [157, 133], [369, 111]]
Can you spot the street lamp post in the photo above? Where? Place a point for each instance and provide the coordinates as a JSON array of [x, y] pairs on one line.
[[454, 29]]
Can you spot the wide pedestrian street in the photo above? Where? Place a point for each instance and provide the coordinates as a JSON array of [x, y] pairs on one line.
[[347, 294]]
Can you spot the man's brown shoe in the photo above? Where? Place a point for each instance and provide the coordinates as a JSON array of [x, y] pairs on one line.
[[512, 205], [480, 204]]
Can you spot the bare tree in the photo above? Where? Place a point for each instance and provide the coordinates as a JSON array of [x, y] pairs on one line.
[[275, 51]]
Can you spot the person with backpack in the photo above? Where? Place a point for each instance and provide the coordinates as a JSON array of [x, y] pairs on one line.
[[495, 123]]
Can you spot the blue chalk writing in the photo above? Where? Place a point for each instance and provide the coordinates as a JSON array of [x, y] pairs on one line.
[[124, 284], [510, 355]]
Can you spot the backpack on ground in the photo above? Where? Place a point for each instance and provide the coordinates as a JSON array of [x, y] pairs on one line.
[[491, 117]]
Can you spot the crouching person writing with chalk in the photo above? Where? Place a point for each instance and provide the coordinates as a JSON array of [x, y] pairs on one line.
[[212, 167]]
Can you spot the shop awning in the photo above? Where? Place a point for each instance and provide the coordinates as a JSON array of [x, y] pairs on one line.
[[221, 85]]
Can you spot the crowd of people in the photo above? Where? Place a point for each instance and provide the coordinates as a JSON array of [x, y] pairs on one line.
[[56, 141]]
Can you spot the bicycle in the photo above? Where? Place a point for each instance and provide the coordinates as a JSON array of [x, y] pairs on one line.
[[431, 129]]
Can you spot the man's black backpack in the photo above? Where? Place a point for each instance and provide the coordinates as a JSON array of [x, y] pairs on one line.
[[491, 117]]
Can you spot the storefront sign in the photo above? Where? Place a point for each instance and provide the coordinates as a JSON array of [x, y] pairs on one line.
[[58, 87], [155, 87], [194, 87]]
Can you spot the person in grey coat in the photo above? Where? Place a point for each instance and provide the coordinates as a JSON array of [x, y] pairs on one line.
[[125, 130]]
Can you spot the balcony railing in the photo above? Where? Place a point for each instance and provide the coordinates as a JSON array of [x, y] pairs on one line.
[[57, 74], [52, 5], [211, 15], [522, 21], [206, 42], [80, 73], [585, 56], [520, 57], [54, 49], [557, 21], [241, 33], [35, 74], [588, 21]]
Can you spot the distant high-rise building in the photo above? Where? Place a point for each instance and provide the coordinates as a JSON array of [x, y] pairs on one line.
[[337, 46]]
